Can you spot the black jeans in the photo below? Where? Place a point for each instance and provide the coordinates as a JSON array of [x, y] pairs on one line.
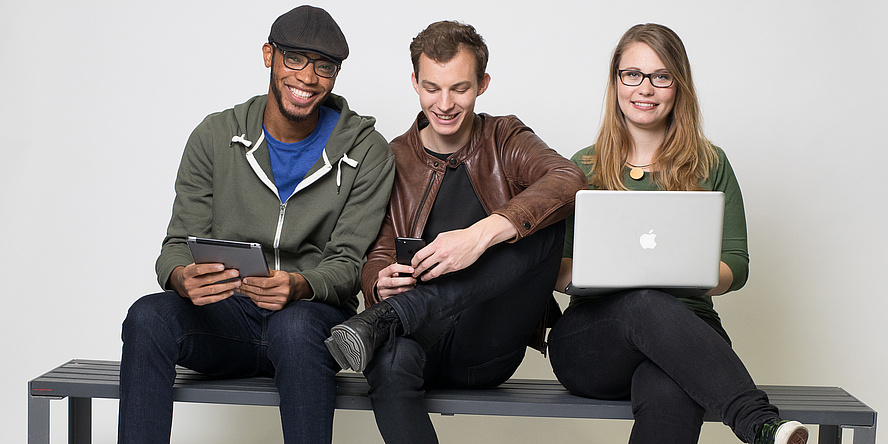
[[648, 346], [468, 329]]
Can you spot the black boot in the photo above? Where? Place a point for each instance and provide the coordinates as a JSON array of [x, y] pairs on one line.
[[353, 342]]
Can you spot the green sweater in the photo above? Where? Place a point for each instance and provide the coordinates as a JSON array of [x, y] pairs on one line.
[[225, 190], [734, 250]]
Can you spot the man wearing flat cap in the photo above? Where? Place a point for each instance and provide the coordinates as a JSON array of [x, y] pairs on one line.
[[306, 177]]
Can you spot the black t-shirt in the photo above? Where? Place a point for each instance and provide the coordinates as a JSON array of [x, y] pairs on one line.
[[456, 206]]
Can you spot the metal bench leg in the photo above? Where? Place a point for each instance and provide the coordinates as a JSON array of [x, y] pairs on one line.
[[38, 419], [829, 434], [79, 420], [865, 435]]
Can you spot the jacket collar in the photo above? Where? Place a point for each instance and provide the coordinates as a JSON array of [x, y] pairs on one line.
[[459, 156]]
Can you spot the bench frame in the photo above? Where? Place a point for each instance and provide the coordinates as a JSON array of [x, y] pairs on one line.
[[831, 408]]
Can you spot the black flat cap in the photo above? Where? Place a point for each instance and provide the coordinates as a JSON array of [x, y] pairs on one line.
[[311, 29]]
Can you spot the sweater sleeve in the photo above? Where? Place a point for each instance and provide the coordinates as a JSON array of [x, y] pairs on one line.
[[192, 208], [337, 276], [734, 242]]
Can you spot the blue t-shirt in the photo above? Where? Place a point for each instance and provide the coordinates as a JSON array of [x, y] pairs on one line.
[[290, 162]]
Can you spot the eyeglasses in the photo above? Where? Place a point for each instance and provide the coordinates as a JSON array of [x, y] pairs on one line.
[[298, 61], [632, 77]]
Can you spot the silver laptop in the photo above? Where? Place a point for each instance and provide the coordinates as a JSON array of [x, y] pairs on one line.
[[669, 240]]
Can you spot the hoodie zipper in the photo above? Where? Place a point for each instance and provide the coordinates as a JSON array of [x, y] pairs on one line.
[[303, 184], [277, 236]]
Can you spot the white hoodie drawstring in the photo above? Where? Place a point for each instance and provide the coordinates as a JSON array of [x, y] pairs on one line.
[[351, 162], [241, 140]]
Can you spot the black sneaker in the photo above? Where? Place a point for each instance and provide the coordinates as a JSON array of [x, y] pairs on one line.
[[775, 431], [353, 342]]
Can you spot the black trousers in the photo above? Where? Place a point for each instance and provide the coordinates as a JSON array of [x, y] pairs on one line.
[[468, 329], [650, 347]]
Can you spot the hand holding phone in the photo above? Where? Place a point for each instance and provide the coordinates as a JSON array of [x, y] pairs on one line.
[[406, 247], [392, 282]]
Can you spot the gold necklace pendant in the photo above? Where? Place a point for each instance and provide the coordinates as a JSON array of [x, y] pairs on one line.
[[636, 172]]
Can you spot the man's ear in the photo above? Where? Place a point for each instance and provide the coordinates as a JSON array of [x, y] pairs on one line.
[[414, 82], [267, 54], [485, 82]]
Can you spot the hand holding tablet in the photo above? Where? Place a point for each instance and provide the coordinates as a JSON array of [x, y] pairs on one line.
[[246, 257]]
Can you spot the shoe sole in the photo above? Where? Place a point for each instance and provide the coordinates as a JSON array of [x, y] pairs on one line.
[[336, 353], [792, 433], [799, 437], [350, 349]]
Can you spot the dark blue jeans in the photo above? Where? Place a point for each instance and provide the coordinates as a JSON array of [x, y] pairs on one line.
[[648, 346], [231, 338], [468, 329]]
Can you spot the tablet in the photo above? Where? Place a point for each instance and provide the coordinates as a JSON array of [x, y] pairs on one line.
[[246, 257]]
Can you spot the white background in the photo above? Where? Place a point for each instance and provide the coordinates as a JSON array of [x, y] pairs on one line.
[[97, 98]]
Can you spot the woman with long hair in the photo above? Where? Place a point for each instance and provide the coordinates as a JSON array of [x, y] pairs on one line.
[[668, 354]]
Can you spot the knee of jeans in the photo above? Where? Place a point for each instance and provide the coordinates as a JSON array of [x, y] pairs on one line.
[[295, 320], [146, 318], [495, 371], [396, 367], [296, 326], [654, 393]]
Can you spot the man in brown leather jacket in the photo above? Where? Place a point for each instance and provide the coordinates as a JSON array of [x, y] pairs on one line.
[[488, 197]]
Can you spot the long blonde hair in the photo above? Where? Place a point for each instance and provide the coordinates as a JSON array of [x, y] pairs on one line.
[[684, 158]]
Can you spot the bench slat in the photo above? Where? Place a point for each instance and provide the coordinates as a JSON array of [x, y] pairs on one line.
[[516, 397]]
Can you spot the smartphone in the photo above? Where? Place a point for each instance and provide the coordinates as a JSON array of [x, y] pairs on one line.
[[406, 247]]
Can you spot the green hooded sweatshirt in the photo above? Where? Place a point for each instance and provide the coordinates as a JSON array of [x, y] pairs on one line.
[[225, 190]]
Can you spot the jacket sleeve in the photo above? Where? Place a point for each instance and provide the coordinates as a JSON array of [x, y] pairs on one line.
[[336, 277], [548, 182], [192, 212], [381, 255]]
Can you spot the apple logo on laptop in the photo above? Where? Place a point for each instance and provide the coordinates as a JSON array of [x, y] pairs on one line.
[[648, 240]]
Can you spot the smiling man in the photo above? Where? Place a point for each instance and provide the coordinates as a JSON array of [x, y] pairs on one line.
[[487, 196], [305, 176]]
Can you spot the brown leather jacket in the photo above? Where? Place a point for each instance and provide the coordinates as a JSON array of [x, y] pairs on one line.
[[514, 173]]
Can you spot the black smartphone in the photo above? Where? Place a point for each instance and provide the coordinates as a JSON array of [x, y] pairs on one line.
[[406, 247]]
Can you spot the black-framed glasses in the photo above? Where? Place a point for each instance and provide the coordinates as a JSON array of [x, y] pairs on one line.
[[634, 77], [298, 61]]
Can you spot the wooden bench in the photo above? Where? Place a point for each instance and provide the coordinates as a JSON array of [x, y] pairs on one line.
[[831, 408]]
